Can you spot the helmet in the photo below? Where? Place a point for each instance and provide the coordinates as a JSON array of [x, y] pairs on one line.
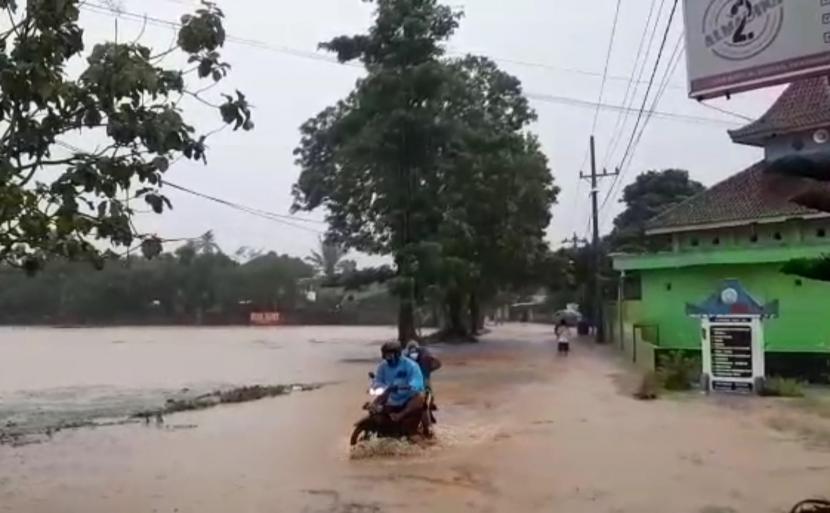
[[391, 349], [412, 346]]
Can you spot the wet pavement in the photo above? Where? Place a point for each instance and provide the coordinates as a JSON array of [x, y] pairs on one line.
[[520, 430]]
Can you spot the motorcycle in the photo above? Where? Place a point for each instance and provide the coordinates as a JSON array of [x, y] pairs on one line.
[[378, 424]]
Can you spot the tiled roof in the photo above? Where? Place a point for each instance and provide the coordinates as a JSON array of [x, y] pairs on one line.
[[741, 198], [803, 105]]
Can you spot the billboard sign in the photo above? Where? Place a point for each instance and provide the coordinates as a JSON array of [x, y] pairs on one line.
[[265, 318], [740, 45]]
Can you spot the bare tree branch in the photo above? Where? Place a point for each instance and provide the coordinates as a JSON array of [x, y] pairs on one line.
[[202, 100]]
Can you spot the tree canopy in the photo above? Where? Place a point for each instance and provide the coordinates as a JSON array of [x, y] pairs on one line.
[[58, 199], [652, 193], [428, 160], [197, 283]]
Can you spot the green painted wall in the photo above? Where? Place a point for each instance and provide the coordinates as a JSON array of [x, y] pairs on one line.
[[803, 326]]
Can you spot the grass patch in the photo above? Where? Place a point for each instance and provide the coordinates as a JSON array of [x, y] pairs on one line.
[[782, 387], [678, 372]]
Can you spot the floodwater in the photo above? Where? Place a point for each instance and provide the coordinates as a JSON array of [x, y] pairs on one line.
[[520, 430], [50, 377]]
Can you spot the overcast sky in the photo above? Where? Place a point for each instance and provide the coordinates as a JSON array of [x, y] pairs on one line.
[[564, 40]]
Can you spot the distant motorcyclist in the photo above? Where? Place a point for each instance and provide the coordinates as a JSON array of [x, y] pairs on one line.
[[427, 362], [403, 380]]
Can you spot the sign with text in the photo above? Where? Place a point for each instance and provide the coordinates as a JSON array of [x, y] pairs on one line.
[[740, 45], [731, 351], [265, 318]]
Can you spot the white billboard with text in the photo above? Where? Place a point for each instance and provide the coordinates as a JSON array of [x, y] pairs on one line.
[[739, 45]]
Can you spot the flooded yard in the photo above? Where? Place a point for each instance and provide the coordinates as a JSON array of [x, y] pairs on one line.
[[519, 430]]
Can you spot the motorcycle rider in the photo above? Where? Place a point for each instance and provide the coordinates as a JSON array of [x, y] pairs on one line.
[[403, 381]]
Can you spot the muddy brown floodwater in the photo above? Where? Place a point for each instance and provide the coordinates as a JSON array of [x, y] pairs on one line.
[[520, 431]]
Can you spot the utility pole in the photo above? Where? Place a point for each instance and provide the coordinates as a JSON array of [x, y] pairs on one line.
[[574, 241], [595, 177]]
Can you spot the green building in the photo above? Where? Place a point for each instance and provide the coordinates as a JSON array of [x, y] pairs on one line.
[[738, 231]]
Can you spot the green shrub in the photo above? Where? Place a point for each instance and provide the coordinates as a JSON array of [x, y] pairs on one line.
[[782, 387], [678, 372]]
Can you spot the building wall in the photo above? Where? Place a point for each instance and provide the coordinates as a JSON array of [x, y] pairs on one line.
[[636, 340], [803, 325]]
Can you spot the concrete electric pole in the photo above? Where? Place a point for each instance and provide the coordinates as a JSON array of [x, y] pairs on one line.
[[597, 253]]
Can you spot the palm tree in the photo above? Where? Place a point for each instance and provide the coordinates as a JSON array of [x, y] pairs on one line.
[[327, 261], [206, 244]]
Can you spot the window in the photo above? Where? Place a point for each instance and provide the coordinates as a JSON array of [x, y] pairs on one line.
[[821, 233], [778, 236], [716, 241], [799, 283], [632, 287], [668, 287], [753, 238], [695, 242]]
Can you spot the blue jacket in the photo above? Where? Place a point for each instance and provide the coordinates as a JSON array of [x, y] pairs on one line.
[[406, 376]]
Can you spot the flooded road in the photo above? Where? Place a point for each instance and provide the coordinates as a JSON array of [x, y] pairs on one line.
[[519, 431]]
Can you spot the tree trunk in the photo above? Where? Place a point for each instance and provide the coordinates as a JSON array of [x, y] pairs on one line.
[[455, 306], [476, 320], [406, 322]]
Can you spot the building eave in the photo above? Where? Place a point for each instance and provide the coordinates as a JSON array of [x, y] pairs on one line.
[[733, 224], [760, 138], [756, 255]]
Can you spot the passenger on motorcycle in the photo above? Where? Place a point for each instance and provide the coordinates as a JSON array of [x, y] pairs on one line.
[[403, 381], [427, 362]]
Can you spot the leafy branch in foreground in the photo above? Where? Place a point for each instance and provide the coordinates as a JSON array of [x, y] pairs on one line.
[[59, 199]]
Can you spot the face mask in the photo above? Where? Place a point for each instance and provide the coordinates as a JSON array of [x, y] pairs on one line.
[[392, 361], [413, 355]]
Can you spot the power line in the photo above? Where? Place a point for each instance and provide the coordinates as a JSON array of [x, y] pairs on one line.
[[607, 62], [726, 111], [650, 84], [628, 98], [260, 212], [271, 216], [102, 9], [561, 69], [576, 102], [671, 68], [305, 54], [506, 60], [160, 22]]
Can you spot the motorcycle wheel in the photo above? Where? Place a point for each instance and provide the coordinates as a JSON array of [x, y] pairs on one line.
[[362, 431]]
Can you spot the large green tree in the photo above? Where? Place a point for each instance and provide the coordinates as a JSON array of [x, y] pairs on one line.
[[427, 160], [124, 104], [501, 193], [374, 158], [652, 193]]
